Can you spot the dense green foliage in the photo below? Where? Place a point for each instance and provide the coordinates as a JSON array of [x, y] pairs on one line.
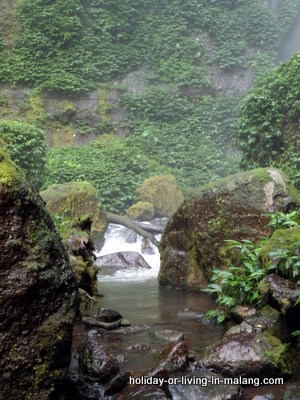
[[189, 143], [268, 127], [25, 145], [108, 163], [74, 44]]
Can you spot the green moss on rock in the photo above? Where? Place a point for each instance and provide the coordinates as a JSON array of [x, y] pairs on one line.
[[163, 192], [77, 199], [38, 292], [141, 211], [232, 208]]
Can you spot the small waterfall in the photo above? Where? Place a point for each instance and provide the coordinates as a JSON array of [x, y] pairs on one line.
[[119, 238]]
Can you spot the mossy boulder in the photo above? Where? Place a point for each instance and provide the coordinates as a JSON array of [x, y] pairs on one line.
[[78, 199], [163, 193], [38, 293], [231, 208], [141, 211], [249, 354], [284, 244]]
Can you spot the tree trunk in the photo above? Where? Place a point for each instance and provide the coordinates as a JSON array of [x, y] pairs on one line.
[[129, 223]]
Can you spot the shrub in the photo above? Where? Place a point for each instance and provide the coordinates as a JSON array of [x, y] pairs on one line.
[[26, 148]]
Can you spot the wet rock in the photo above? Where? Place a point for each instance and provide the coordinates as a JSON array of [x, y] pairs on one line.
[[161, 373], [203, 389], [140, 347], [94, 333], [231, 208], [292, 392], [122, 260], [143, 392], [267, 396], [108, 315], [38, 293], [168, 335], [95, 362], [118, 383], [282, 294], [163, 193], [76, 388], [266, 320], [94, 322], [248, 354], [174, 357], [242, 313], [190, 314]]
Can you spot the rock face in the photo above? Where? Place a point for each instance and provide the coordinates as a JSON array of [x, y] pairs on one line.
[[163, 193], [78, 199], [232, 208], [38, 293]]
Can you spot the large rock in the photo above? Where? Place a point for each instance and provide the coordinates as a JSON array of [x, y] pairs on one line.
[[78, 199], [95, 362], [163, 193], [248, 354], [122, 260], [283, 294], [38, 293], [232, 208]]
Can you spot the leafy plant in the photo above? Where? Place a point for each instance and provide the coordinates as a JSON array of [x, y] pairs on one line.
[[25, 144], [287, 261], [282, 220], [238, 284]]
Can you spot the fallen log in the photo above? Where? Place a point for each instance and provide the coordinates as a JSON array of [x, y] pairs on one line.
[[129, 223]]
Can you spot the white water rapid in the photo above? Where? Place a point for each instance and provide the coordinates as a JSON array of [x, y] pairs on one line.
[[119, 238]]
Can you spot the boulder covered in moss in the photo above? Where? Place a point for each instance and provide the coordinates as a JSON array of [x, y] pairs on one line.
[[163, 193], [38, 293], [141, 211], [78, 199], [231, 208], [281, 252]]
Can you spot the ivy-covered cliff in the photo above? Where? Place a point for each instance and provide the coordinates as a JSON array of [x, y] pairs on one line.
[[165, 78]]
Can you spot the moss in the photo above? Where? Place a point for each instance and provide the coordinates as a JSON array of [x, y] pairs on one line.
[[281, 239], [62, 135], [141, 211], [104, 104], [8, 171], [35, 107], [163, 192], [278, 354]]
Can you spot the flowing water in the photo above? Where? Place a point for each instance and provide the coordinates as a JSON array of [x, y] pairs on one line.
[[151, 308], [135, 293]]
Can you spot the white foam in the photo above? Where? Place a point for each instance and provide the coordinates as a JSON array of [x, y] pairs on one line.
[[115, 241]]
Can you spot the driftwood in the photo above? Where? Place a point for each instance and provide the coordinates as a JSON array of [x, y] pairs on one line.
[[129, 223]]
